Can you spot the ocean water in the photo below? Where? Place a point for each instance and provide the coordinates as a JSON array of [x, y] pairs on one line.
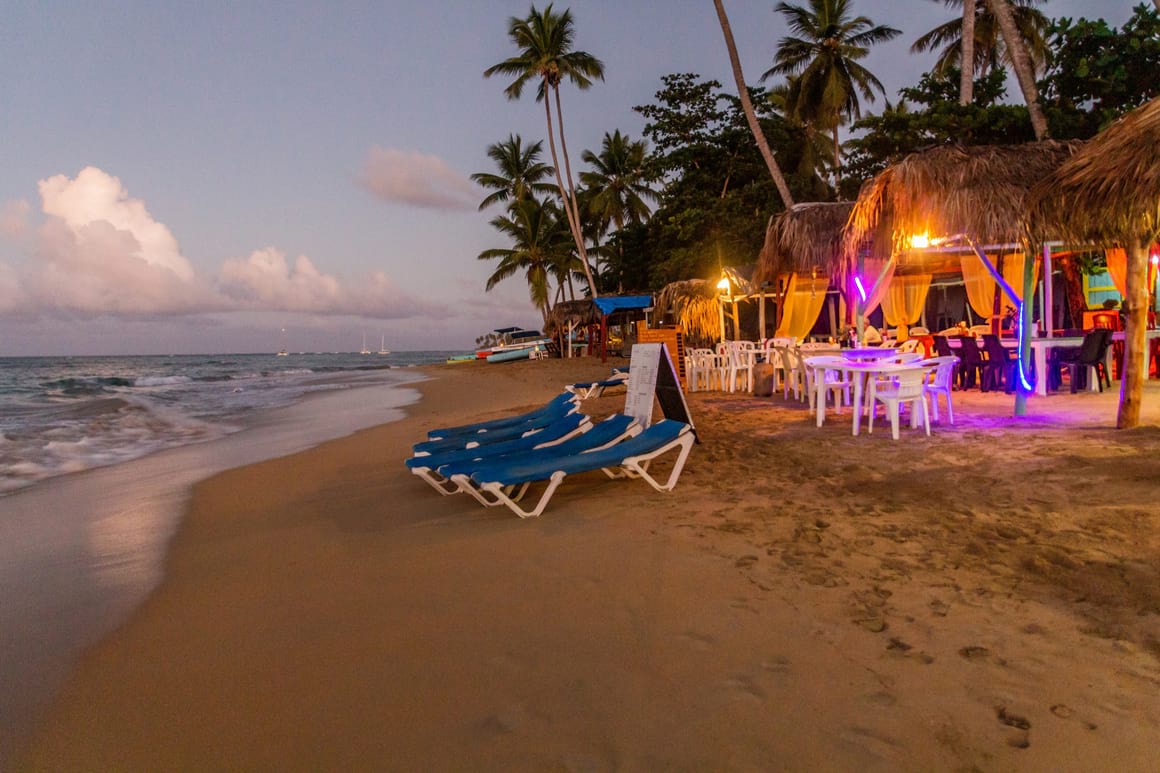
[[98, 457], [61, 415]]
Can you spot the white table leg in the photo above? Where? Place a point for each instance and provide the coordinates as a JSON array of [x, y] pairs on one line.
[[858, 388], [1041, 370], [820, 400]]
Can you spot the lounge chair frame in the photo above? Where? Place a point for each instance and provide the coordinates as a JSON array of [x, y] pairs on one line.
[[491, 493]]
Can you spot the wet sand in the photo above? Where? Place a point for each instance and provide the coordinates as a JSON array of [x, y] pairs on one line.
[[985, 599]]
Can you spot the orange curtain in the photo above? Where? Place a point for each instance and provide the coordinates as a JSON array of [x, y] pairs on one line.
[[980, 285], [803, 303], [903, 304], [1117, 260], [1013, 272]]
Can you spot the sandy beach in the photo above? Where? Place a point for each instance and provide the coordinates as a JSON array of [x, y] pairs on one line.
[[984, 599]]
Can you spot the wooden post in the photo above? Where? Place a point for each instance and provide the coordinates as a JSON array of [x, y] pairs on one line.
[[1135, 336], [1048, 294], [1023, 367]]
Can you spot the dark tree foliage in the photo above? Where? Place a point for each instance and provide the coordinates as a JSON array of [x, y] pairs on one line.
[[1097, 73], [930, 114], [718, 195]]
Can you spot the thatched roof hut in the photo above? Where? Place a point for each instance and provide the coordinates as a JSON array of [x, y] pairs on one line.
[[1109, 193], [976, 191], [692, 304], [579, 313], [803, 237]]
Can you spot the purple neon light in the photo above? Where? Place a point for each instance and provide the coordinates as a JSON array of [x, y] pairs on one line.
[[1027, 386], [861, 289]]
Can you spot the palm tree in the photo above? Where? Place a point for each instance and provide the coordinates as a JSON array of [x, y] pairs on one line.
[[1022, 64], [823, 58], [520, 172], [983, 48], [747, 108], [540, 244], [545, 43], [616, 184], [617, 181]]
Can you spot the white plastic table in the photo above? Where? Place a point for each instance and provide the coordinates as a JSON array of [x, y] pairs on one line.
[[859, 372]]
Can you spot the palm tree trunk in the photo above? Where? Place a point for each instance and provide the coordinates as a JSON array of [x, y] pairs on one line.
[[747, 108], [837, 161], [967, 54], [567, 162], [1135, 337], [573, 219], [1022, 64]]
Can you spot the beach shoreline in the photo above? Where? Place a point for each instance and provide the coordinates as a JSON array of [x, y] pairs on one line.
[[804, 599], [79, 552]]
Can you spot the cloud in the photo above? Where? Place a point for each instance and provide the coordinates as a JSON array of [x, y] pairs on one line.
[[418, 180], [99, 252], [14, 218], [266, 280], [97, 197]]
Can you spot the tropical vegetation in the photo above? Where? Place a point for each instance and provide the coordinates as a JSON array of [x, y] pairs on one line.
[[696, 191]]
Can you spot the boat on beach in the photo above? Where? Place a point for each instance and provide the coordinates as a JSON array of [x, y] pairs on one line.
[[514, 344]]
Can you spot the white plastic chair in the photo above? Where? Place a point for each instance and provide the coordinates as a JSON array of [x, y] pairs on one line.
[[795, 373], [907, 385], [939, 382], [697, 367], [741, 365], [837, 382]]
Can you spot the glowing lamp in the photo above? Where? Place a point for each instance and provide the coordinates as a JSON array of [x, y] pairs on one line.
[[723, 285], [920, 241]]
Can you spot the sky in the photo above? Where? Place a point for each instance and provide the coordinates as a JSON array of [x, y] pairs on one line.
[[184, 178]]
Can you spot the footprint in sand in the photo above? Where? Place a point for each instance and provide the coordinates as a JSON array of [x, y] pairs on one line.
[[777, 665], [900, 647], [975, 652], [1020, 735], [939, 608], [745, 687], [698, 640]]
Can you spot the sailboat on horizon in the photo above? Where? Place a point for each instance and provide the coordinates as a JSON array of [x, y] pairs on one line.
[[383, 346], [282, 352], [364, 349]]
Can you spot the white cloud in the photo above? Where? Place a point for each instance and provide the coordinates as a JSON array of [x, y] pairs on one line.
[[266, 280], [95, 252], [417, 179], [95, 196]]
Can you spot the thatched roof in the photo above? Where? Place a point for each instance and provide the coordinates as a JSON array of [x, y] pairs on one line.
[[693, 304], [579, 313], [1109, 191], [980, 191], [803, 237]]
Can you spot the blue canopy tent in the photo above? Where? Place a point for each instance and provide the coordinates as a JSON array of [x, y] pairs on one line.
[[596, 315], [608, 305]]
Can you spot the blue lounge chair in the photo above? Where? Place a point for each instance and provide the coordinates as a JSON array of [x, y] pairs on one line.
[[426, 466], [504, 481], [586, 389], [561, 400], [612, 429], [537, 421]]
